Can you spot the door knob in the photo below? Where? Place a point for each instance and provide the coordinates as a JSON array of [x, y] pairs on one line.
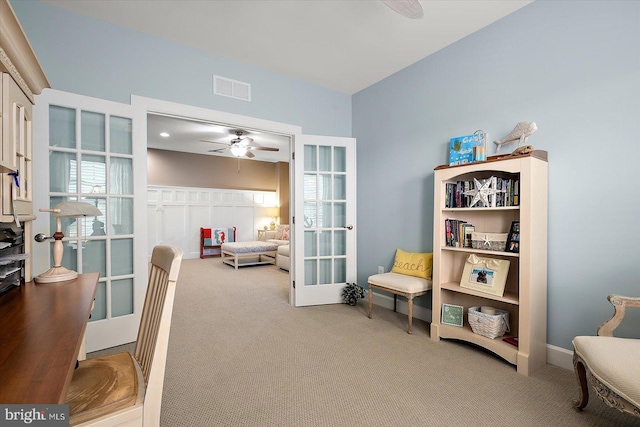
[[348, 227], [41, 237]]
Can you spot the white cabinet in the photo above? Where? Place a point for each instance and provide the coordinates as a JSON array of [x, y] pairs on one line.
[[525, 295], [16, 151], [21, 77]]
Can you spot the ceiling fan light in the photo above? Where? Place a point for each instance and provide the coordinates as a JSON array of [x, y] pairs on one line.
[[238, 150], [407, 8]]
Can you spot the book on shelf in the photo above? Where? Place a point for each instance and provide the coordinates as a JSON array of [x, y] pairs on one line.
[[458, 194], [511, 340]]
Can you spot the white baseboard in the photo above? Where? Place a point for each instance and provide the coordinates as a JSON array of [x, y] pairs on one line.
[[556, 356], [560, 357]]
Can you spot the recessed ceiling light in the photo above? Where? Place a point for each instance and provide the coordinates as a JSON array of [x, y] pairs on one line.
[[164, 135]]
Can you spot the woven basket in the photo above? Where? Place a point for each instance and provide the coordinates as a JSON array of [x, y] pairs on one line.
[[488, 325]]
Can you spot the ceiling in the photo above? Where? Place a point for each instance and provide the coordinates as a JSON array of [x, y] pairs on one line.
[[344, 45]]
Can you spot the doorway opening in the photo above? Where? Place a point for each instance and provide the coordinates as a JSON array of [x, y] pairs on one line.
[[198, 137]]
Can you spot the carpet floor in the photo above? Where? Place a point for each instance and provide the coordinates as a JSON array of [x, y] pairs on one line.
[[240, 355]]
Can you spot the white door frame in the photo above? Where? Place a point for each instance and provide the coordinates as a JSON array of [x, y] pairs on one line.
[[143, 106]]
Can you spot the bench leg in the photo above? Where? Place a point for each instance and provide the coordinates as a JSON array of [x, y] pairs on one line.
[[410, 311], [370, 300], [395, 302]]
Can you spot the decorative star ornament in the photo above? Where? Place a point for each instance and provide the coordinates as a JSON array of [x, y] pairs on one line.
[[482, 191]]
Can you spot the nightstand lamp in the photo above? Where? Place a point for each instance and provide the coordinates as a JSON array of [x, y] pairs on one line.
[[273, 212], [58, 273]]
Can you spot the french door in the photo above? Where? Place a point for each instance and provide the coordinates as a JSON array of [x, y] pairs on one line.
[[91, 157], [324, 218]]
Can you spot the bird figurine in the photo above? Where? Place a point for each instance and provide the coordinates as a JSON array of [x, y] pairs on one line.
[[521, 132]]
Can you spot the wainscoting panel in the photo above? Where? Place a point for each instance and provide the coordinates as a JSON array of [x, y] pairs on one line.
[[175, 214]]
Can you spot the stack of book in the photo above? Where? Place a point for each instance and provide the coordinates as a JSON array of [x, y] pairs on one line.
[[458, 233]]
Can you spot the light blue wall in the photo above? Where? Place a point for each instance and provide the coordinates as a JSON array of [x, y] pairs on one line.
[[573, 68], [90, 57]]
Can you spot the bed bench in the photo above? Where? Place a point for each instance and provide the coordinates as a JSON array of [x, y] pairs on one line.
[[239, 254]]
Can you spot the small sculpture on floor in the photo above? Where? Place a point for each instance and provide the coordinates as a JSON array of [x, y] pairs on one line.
[[521, 133]]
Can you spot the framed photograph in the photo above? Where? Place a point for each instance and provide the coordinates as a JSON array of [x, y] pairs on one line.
[[513, 240], [488, 275], [452, 315]]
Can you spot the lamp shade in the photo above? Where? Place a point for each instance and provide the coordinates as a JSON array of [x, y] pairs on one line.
[[273, 211], [71, 209]]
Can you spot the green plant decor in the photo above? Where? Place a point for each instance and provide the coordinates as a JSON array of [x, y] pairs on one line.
[[351, 293]]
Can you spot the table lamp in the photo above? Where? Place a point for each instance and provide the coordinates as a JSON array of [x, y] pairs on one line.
[[58, 273], [273, 212]]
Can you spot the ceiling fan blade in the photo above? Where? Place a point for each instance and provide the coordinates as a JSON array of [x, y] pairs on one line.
[[256, 148], [214, 142], [250, 155]]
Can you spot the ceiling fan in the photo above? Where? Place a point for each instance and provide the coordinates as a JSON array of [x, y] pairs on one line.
[[407, 8], [240, 146]]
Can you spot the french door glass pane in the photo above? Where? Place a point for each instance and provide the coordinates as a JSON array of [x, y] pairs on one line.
[[325, 158], [310, 246], [121, 215], [339, 242], [310, 215], [121, 297], [92, 172], [62, 172], [325, 271], [324, 187], [340, 214], [92, 131], [94, 257], [340, 270], [324, 215], [99, 311], [120, 130], [339, 159], [121, 257], [62, 127], [325, 243], [310, 272], [310, 186], [121, 176], [340, 187], [310, 160]]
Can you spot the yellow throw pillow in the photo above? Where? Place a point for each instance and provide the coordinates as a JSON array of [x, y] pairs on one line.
[[413, 264]]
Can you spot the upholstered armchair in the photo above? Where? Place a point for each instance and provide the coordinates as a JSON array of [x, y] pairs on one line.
[[610, 365]]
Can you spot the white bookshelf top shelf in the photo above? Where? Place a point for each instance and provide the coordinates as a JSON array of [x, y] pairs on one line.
[[499, 208], [480, 251]]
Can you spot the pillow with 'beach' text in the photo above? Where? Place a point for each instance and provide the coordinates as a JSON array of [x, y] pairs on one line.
[[416, 264]]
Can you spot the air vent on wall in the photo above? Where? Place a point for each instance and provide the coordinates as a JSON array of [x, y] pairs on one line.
[[231, 88]]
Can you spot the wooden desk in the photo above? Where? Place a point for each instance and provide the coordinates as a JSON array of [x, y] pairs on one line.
[[41, 331]]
